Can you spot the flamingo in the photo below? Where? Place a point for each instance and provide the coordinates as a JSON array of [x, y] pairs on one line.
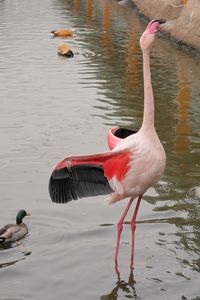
[[134, 163]]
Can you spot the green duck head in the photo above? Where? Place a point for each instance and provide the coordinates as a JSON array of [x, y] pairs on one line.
[[20, 215]]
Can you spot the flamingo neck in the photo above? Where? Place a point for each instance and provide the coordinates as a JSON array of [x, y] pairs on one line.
[[148, 116]]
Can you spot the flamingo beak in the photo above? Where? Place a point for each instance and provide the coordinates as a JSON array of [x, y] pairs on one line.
[[160, 21], [152, 27]]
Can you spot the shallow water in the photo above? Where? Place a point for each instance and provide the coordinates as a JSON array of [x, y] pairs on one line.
[[51, 107]]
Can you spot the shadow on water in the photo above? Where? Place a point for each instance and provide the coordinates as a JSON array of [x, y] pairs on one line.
[[122, 287], [15, 246], [8, 264]]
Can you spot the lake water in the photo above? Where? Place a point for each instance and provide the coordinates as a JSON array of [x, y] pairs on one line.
[[52, 107]]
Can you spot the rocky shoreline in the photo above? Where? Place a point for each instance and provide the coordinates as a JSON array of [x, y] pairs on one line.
[[183, 19]]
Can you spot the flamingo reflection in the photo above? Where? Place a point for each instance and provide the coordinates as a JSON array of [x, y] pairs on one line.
[[88, 4], [127, 288], [76, 6]]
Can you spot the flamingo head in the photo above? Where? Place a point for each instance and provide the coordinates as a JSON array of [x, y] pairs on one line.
[[148, 35]]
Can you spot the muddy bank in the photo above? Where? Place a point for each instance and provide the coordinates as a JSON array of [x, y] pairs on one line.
[[183, 26]]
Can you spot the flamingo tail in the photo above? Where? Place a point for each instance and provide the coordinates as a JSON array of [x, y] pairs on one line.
[[122, 133], [115, 135]]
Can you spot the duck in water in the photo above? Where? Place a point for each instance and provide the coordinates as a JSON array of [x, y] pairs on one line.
[[63, 50], [14, 232], [63, 32]]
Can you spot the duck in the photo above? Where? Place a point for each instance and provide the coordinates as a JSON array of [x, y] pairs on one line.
[[64, 50], [63, 32], [14, 232]]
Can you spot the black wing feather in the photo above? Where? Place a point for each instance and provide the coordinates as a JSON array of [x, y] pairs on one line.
[[79, 181]]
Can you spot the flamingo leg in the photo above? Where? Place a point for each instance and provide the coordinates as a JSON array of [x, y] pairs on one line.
[[133, 227], [119, 230]]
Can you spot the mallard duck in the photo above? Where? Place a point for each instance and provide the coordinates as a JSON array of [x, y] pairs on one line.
[[64, 50], [14, 232], [63, 32]]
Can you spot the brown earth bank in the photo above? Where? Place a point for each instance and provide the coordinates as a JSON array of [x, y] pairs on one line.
[[183, 19]]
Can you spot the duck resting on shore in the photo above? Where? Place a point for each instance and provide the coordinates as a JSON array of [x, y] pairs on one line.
[[14, 232]]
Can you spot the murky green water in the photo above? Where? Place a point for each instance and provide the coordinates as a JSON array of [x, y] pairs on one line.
[[51, 107]]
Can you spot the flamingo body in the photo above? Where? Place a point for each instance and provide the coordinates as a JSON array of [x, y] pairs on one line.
[[145, 166]]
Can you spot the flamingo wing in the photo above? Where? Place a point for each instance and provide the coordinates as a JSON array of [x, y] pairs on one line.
[[83, 176]]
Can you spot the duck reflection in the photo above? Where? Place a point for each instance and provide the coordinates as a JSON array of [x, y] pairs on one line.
[[127, 288], [8, 264], [68, 2], [182, 128], [88, 11], [106, 26], [15, 245], [132, 63], [184, 2], [76, 6], [18, 245]]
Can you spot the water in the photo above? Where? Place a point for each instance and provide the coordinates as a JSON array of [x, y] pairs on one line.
[[52, 107]]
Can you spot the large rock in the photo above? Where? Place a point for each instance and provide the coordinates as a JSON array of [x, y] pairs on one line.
[[153, 9], [183, 15], [187, 27]]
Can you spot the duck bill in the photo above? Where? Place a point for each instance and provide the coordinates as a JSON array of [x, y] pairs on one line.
[[28, 214]]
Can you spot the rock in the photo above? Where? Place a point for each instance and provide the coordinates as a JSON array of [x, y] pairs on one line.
[[154, 9], [126, 3], [183, 16], [187, 26]]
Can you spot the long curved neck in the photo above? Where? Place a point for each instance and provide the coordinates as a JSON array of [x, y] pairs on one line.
[[148, 116]]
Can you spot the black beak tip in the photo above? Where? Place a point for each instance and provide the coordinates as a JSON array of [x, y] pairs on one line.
[[162, 21]]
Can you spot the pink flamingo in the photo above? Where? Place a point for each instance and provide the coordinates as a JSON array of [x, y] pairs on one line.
[[135, 162]]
